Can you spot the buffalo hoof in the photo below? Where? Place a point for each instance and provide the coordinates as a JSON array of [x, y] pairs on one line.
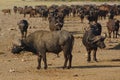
[[68, 67], [38, 67], [64, 67], [96, 61], [88, 60], [45, 67]]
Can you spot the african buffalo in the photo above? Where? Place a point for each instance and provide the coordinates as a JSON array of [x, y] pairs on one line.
[[113, 27], [92, 40], [40, 42], [55, 22], [15, 9], [23, 26]]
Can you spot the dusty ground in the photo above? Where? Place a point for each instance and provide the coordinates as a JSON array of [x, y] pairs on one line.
[[23, 66]]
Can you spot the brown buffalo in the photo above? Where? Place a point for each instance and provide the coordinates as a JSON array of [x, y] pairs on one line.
[[6, 11]]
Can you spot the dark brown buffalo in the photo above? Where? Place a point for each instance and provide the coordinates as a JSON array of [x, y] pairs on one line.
[[92, 40], [15, 9], [29, 10], [55, 23], [103, 11], [56, 19], [40, 42], [42, 11], [23, 26]]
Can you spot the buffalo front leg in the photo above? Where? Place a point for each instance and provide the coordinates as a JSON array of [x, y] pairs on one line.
[[22, 34], [89, 55], [94, 55], [109, 34], [25, 34]]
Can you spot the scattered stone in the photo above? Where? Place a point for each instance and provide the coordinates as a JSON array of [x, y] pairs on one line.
[[12, 29], [79, 51], [12, 70], [76, 75], [9, 60], [23, 60], [49, 64]]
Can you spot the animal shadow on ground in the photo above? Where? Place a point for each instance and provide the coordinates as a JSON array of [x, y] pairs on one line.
[[91, 66], [115, 60], [117, 47]]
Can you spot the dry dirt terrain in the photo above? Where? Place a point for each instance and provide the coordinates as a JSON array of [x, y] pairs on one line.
[[23, 66]]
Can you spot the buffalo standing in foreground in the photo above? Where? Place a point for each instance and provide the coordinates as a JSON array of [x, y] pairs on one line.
[[92, 40], [41, 42], [23, 26]]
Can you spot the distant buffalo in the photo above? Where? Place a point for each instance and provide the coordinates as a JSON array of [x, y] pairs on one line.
[[15, 9], [40, 42], [6, 11], [55, 23], [23, 26], [113, 27]]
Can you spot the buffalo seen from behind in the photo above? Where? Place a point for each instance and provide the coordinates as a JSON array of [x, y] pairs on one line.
[[40, 42], [92, 39]]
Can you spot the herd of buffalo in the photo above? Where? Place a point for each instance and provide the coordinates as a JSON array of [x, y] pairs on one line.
[[57, 40]]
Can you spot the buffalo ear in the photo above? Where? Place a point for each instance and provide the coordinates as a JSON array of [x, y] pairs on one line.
[[96, 38]]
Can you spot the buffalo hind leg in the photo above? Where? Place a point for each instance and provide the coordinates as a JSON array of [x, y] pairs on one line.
[[70, 61], [44, 60], [66, 60], [67, 56], [39, 60], [116, 34], [113, 34]]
